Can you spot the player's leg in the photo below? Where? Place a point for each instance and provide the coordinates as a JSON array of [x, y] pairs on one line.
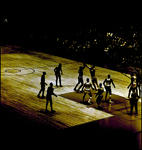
[[46, 104], [106, 93], [99, 101], [110, 95], [39, 93], [84, 96], [131, 108], [43, 89], [96, 82], [93, 82], [129, 92], [60, 80], [89, 101], [56, 80], [81, 81], [77, 84], [51, 105]]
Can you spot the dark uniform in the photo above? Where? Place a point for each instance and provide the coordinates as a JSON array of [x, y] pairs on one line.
[[42, 83], [80, 78], [49, 96], [133, 101], [93, 77], [99, 95], [57, 71]]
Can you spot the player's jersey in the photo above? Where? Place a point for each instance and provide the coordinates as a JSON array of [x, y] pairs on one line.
[[49, 92], [42, 80], [100, 91], [80, 71], [57, 70], [108, 82], [87, 86]]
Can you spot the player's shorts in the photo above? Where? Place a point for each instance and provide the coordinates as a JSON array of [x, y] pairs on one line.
[[108, 89], [58, 75], [88, 92]]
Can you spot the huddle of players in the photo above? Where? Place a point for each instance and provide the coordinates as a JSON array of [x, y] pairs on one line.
[[87, 86]]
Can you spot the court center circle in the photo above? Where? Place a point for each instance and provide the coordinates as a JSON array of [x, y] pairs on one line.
[[16, 71], [13, 70]]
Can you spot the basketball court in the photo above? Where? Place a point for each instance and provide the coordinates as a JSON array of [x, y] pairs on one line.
[[21, 71]]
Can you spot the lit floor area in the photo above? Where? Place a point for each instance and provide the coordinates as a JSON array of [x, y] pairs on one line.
[[24, 113]]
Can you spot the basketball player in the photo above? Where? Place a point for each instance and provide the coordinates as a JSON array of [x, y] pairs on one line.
[[88, 86], [42, 85], [80, 78], [132, 85], [99, 95], [107, 85], [49, 96], [133, 102], [93, 77], [58, 73]]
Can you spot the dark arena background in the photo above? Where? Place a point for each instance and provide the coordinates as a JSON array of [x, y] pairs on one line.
[[36, 37]]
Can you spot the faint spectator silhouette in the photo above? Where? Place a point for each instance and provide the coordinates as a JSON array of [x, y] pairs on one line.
[[107, 84], [49, 96], [80, 78], [42, 85], [58, 73]]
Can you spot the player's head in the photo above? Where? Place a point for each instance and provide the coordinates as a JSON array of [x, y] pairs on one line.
[[87, 79], [100, 84], [51, 84], [44, 73], [60, 65], [109, 76]]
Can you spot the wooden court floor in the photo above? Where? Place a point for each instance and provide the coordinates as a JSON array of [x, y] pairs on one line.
[[21, 71]]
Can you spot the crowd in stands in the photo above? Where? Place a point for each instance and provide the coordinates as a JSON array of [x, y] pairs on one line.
[[118, 46]]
